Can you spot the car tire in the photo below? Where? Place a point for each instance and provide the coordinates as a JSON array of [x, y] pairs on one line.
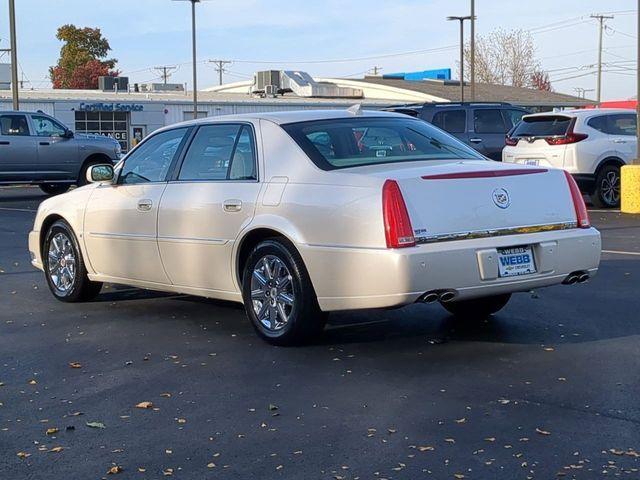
[[278, 295], [607, 191], [54, 188], [64, 266], [477, 307]]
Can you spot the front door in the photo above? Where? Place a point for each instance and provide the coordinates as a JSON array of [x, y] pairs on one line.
[[18, 153], [57, 153], [120, 229], [622, 128], [208, 203], [489, 130]]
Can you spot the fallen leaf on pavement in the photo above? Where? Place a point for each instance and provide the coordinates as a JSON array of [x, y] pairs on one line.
[[426, 448], [75, 365], [23, 454], [56, 449], [51, 431], [115, 469], [95, 425], [144, 405], [542, 432]]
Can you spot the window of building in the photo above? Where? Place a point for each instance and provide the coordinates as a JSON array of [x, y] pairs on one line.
[[14, 125], [109, 124]]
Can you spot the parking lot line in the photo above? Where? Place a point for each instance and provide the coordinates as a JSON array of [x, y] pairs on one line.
[[619, 252], [9, 209], [603, 210]]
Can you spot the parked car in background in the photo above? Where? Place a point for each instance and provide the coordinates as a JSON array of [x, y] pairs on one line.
[[296, 214], [590, 144], [480, 125], [37, 149]]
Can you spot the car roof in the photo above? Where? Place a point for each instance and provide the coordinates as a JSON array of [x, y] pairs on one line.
[[583, 112], [294, 116], [12, 112]]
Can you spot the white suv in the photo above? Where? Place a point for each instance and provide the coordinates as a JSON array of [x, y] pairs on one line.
[[592, 145]]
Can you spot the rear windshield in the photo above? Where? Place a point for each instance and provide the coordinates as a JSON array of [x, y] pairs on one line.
[[352, 142], [542, 126]]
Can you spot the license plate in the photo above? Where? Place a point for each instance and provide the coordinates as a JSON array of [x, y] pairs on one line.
[[515, 261], [531, 161]]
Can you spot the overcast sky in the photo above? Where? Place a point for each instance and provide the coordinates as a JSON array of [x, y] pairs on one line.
[[284, 34]]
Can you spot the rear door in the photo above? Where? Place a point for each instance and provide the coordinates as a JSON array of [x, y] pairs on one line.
[[209, 201], [18, 154], [489, 130], [57, 154], [622, 128]]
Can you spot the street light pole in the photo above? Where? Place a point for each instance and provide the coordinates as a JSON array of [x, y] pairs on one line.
[[636, 161], [14, 55], [472, 52], [461, 20], [195, 70]]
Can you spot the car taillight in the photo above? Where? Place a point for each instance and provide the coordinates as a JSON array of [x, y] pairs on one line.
[[582, 216], [569, 137], [397, 225], [510, 141]]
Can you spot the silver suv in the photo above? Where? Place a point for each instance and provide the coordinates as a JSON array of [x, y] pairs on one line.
[[37, 149]]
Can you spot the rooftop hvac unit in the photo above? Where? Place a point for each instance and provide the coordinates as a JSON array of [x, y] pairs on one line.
[[267, 78], [109, 83]]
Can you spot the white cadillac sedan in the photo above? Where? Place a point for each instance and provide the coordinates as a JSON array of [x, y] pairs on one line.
[[297, 214]]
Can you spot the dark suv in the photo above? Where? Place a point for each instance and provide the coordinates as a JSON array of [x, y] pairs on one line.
[[37, 149], [483, 126]]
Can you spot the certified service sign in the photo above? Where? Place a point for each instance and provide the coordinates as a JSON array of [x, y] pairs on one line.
[[501, 198]]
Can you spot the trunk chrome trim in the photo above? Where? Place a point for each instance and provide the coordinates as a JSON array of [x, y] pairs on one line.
[[485, 174], [497, 232]]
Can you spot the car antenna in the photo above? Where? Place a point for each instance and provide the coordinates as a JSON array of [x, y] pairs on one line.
[[355, 109]]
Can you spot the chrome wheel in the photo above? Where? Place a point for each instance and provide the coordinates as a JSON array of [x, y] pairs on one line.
[[61, 263], [610, 188], [272, 294]]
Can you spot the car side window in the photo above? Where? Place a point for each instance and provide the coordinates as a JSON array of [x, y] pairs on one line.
[[513, 117], [452, 121], [622, 124], [150, 161], [220, 152], [488, 120], [14, 125], [599, 123], [47, 127]]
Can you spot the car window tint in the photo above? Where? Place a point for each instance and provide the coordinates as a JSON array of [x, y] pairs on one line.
[[542, 126], [209, 155], [14, 125], [243, 164], [150, 161], [47, 127], [488, 121], [599, 123], [622, 124], [353, 142], [512, 116], [452, 121]]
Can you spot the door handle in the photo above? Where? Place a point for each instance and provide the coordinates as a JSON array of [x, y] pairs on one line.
[[475, 140], [45, 143], [232, 205], [5, 143], [145, 205]]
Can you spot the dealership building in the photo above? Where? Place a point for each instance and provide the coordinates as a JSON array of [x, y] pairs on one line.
[[129, 116]]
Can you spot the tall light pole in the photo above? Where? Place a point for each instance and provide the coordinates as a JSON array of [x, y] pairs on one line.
[[193, 47], [14, 55], [461, 20], [636, 161], [472, 51]]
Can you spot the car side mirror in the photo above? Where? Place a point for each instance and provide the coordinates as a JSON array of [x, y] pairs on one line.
[[100, 173], [67, 134]]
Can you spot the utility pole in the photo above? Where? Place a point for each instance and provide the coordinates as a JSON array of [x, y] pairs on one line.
[[601, 19], [472, 51], [375, 70], [636, 161], [220, 68], [166, 72], [14, 55], [461, 20]]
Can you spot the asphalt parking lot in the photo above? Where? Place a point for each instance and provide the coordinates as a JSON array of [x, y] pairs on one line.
[[547, 388]]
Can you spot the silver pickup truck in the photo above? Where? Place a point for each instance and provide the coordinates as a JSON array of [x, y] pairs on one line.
[[37, 149]]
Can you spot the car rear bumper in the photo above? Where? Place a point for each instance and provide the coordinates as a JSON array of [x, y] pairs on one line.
[[353, 278]]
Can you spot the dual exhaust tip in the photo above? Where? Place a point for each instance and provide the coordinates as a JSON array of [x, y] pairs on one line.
[[576, 277], [438, 295]]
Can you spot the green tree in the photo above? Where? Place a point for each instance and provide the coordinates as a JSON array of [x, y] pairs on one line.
[[83, 58]]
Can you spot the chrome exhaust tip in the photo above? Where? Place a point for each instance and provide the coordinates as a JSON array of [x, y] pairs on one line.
[[429, 297], [571, 279], [583, 278], [447, 296]]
